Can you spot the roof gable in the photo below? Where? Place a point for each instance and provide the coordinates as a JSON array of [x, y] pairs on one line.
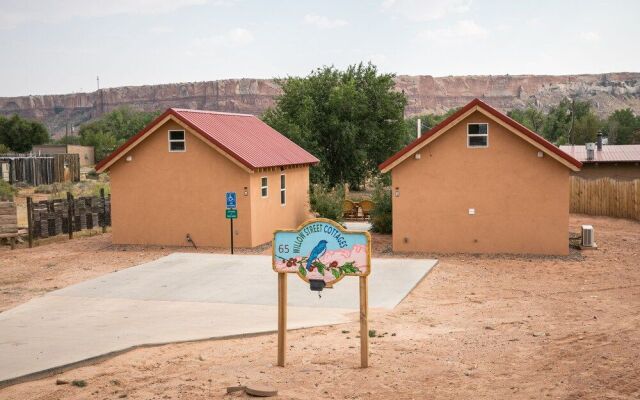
[[242, 137], [477, 105]]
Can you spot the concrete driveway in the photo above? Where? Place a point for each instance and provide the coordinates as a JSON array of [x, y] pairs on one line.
[[180, 297]]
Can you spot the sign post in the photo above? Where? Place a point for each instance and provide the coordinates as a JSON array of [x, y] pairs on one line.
[[231, 212], [321, 252]]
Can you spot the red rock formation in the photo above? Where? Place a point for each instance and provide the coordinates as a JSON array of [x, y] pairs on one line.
[[425, 94]]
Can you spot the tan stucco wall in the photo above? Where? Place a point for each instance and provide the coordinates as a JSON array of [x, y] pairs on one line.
[[619, 171], [521, 201], [49, 149], [268, 212], [86, 153], [159, 196]]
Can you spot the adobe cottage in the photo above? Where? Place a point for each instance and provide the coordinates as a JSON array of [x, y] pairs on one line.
[[170, 180], [479, 182]]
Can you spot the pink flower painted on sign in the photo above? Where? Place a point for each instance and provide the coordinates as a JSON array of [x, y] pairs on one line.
[[332, 265]]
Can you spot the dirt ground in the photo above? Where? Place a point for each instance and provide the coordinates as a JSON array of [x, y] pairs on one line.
[[489, 327]]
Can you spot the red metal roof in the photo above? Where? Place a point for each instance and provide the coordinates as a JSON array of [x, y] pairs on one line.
[[244, 137], [609, 153], [477, 102]]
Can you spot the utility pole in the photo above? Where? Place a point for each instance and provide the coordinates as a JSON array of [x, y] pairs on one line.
[[98, 81]]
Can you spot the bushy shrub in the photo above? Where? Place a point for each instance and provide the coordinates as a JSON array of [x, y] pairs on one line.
[[327, 203], [381, 219], [4, 149], [6, 191]]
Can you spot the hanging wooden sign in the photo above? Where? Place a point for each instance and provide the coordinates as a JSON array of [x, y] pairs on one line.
[[321, 252]]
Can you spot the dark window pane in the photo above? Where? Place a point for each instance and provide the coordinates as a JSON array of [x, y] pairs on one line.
[[264, 192], [283, 197], [282, 182], [176, 135], [477, 141], [264, 181], [177, 146], [478, 129]]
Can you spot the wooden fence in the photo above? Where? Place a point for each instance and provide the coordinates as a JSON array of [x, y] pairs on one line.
[[39, 170], [606, 196]]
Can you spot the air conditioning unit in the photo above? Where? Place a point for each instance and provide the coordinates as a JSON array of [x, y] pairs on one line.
[[588, 238]]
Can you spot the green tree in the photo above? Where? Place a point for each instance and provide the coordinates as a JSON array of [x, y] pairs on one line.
[[622, 127], [530, 117], [427, 121], [571, 122], [352, 120], [113, 129], [20, 134]]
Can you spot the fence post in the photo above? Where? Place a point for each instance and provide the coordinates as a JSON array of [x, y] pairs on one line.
[[30, 221], [70, 213], [104, 211]]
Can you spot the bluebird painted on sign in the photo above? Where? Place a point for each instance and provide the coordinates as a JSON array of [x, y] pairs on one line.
[[316, 253]]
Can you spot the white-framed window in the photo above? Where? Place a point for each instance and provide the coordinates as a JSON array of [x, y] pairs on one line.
[[283, 189], [264, 186], [478, 134], [177, 142]]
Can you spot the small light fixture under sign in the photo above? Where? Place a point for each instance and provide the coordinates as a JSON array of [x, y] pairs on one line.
[[246, 192], [397, 192], [472, 211], [129, 158]]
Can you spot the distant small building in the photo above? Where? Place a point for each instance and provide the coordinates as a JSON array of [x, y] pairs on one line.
[[170, 181], [86, 153], [621, 162], [479, 182]]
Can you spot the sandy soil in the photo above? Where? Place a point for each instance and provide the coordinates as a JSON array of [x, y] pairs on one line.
[[489, 327]]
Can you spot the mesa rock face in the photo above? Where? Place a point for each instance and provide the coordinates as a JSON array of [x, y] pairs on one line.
[[425, 94]]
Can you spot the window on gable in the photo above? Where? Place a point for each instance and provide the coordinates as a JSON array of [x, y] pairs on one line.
[[264, 187], [478, 135], [283, 190], [177, 141]]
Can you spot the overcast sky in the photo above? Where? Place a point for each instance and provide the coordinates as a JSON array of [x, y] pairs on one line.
[[60, 46]]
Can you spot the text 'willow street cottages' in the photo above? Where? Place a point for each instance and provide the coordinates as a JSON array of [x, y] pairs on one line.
[[170, 180], [479, 182]]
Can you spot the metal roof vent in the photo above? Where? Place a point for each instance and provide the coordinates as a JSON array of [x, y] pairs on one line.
[[591, 149]]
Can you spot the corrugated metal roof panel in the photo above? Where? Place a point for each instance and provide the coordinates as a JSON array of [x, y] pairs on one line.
[[249, 139], [609, 153]]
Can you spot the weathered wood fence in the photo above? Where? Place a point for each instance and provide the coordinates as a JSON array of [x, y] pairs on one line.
[[8, 222], [606, 196], [40, 170], [65, 216]]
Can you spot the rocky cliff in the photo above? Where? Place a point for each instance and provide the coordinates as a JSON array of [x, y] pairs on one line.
[[426, 94]]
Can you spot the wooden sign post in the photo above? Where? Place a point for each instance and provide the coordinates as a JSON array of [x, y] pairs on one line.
[[321, 252]]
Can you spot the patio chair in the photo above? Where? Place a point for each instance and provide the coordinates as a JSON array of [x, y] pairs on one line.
[[366, 206], [349, 209]]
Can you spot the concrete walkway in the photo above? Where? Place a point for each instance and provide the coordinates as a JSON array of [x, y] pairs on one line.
[[180, 297]]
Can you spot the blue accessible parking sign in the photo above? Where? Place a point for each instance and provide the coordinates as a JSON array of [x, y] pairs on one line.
[[231, 199]]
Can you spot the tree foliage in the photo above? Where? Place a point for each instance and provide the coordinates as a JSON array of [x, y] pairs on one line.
[[352, 120], [576, 122], [20, 135], [113, 129], [623, 127], [427, 122]]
